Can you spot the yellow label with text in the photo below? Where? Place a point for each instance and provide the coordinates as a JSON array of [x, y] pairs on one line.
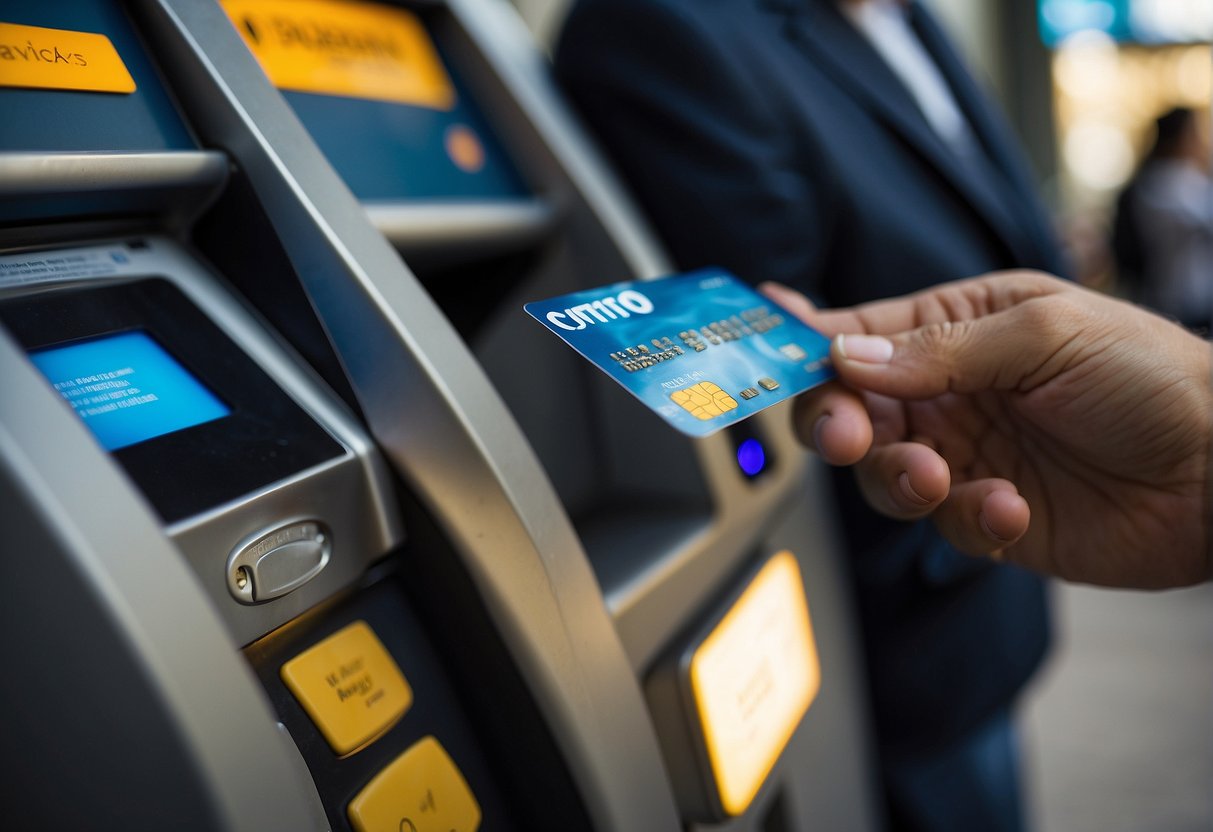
[[753, 679], [344, 47], [350, 686], [57, 59]]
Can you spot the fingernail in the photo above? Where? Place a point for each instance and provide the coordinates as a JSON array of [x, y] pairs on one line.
[[870, 349], [985, 527], [908, 490]]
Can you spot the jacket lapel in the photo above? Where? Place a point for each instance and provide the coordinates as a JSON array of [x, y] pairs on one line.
[[989, 126], [835, 46]]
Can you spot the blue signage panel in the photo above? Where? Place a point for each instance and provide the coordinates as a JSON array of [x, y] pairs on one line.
[[67, 120]]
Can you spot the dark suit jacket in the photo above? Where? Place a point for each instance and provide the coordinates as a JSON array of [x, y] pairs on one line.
[[768, 137]]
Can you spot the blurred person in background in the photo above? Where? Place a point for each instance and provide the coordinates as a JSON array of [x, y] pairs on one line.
[[842, 148], [1163, 231]]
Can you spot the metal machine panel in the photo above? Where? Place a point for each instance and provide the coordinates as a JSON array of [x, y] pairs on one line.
[[344, 488], [62, 120], [439, 422], [374, 91], [94, 538], [397, 152]]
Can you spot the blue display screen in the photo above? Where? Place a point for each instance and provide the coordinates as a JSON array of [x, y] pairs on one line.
[[127, 389]]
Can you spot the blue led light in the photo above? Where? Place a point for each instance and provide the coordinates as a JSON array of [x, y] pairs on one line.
[[751, 457]]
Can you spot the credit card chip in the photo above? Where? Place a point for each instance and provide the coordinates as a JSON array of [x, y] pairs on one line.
[[704, 400]]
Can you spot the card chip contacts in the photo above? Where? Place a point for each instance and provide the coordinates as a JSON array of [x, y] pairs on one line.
[[704, 400], [704, 350]]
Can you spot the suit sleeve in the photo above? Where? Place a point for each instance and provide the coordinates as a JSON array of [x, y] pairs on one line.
[[695, 138]]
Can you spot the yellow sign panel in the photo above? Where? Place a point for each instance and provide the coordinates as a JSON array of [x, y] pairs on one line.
[[753, 679], [350, 686], [57, 59], [422, 790], [344, 47]]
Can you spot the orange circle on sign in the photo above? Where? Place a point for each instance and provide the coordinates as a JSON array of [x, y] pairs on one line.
[[464, 148]]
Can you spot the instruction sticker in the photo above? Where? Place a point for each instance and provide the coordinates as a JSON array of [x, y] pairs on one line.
[[59, 59], [344, 47], [703, 350]]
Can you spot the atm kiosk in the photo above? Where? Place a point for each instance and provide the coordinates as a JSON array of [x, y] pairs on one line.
[[301, 554], [208, 585], [483, 184]]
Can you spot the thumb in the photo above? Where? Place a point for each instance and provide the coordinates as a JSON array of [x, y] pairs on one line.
[[993, 352]]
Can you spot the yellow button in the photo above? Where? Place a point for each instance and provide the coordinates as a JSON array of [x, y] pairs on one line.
[[420, 791], [350, 687]]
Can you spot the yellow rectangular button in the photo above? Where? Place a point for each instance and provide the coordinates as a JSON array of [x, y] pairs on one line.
[[753, 679], [422, 790], [59, 59], [344, 47], [350, 686]]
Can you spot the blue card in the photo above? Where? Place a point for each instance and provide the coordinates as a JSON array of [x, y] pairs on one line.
[[703, 349]]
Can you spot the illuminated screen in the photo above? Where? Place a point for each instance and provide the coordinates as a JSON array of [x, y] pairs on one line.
[[127, 389]]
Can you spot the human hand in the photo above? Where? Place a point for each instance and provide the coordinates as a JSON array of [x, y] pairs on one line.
[[1014, 396]]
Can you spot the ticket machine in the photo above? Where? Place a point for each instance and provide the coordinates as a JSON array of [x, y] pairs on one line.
[[310, 527], [208, 578]]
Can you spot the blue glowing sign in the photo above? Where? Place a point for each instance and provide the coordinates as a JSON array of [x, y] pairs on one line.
[[127, 389]]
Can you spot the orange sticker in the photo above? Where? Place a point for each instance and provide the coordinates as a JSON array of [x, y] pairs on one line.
[[464, 148], [344, 47], [58, 59]]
